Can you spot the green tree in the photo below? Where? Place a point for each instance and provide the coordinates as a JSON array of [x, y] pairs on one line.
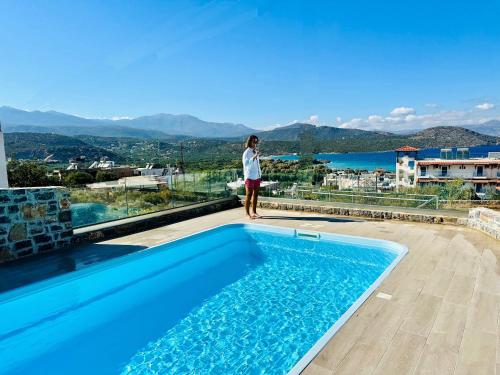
[[103, 176], [28, 174], [78, 178], [455, 190]]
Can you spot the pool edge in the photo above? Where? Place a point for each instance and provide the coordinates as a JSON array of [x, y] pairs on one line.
[[323, 341]]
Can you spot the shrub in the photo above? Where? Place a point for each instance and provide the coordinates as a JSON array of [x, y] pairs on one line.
[[78, 178], [103, 176], [27, 174], [157, 198]]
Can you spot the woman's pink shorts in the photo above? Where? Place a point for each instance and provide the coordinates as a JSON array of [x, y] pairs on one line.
[[252, 184]]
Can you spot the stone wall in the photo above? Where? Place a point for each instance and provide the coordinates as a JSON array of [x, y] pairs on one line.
[[33, 220], [385, 214], [485, 220]]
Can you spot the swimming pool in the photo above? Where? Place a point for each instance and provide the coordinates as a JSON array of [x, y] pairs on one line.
[[240, 298]]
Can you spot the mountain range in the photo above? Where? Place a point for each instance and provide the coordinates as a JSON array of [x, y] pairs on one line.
[[177, 127], [159, 126], [296, 138]]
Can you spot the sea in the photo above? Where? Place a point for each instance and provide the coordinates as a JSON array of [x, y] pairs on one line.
[[382, 159]]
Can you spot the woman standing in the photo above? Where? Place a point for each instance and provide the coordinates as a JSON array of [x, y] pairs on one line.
[[252, 173]]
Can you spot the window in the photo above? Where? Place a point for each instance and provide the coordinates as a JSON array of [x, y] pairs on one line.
[[444, 170], [479, 171], [423, 171]]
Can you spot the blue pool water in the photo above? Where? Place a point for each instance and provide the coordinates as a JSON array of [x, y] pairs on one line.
[[232, 300]]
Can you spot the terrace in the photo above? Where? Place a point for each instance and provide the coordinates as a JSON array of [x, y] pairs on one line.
[[437, 312]]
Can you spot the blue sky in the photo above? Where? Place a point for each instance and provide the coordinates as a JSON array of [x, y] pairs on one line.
[[367, 64]]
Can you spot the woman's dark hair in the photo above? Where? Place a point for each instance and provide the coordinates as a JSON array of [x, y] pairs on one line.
[[250, 140]]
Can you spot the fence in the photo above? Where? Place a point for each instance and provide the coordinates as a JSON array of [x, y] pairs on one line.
[[92, 204], [367, 198]]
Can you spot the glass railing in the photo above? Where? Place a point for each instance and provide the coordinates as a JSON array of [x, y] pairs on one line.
[[356, 197], [113, 200]]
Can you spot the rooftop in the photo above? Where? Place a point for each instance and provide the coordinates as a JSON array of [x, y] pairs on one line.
[[483, 161], [406, 149]]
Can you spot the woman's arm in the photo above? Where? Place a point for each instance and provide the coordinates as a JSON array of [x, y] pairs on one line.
[[247, 158]]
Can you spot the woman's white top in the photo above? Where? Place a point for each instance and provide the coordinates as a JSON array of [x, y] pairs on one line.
[[251, 166]]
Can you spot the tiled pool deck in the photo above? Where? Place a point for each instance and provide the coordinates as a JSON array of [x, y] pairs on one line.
[[441, 307]]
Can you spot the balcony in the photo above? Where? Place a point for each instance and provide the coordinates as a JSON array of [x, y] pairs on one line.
[[434, 175], [483, 175]]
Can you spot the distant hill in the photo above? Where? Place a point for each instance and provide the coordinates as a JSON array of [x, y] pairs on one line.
[[450, 136], [38, 146], [310, 138], [490, 128], [296, 131], [102, 130], [161, 126], [187, 125]]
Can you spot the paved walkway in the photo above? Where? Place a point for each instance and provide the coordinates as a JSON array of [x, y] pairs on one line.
[[440, 314]]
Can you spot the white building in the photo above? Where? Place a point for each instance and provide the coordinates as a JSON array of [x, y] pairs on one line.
[[4, 182], [151, 171], [378, 180], [134, 182], [104, 163], [477, 173]]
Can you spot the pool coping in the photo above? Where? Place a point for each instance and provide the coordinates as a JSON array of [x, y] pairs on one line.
[[401, 250], [299, 366]]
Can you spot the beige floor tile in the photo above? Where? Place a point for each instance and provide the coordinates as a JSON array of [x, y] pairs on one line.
[[408, 291], [449, 259], [422, 316], [437, 358], [314, 369], [467, 265], [426, 265], [483, 313], [372, 306], [402, 355], [477, 353], [488, 280], [450, 323], [335, 351], [439, 282], [362, 359], [384, 326], [460, 290], [489, 259]]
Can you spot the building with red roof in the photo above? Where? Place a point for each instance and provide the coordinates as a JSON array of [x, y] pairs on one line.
[[481, 174]]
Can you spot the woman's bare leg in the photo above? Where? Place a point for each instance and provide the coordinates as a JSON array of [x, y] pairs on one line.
[[248, 197], [255, 197]]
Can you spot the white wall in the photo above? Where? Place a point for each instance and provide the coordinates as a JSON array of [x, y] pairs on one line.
[[4, 183], [454, 171]]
